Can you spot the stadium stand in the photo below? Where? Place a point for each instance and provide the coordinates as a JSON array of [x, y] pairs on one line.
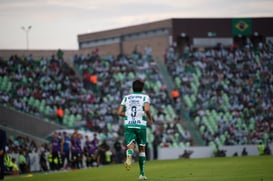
[[115, 77], [88, 101], [227, 92], [38, 87]]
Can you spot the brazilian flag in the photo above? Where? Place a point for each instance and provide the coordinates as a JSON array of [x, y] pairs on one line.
[[241, 26]]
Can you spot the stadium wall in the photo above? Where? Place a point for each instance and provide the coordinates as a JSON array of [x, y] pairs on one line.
[[126, 30], [196, 32], [206, 152], [199, 27], [126, 40], [157, 43], [13, 133], [11, 120], [103, 50]]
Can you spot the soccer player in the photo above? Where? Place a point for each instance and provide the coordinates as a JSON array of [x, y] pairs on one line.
[[135, 109]]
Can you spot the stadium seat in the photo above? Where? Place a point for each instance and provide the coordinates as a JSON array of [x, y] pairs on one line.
[[47, 111], [71, 121], [177, 81], [66, 120], [41, 108], [222, 139], [201, 129], [187, 100], [197, 120]]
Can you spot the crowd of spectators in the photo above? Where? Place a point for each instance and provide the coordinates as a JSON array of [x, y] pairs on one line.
[[51, 89], [114, 77], [63, 151], [20, 153], [227, 92], [39, 87]]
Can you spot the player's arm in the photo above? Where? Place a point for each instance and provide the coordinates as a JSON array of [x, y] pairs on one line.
[[147, 110], [121, 111]]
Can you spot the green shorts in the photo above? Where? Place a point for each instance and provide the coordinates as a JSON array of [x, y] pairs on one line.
[[135, 135]]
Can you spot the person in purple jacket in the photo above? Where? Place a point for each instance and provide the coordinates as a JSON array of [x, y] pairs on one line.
[[79, 151], [89, 151], [55, 151], [74, 151]]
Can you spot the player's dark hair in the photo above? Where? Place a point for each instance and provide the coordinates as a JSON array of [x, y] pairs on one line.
[[138, 86]]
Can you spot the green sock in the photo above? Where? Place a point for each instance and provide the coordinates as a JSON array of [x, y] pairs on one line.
[[141, 161], [129, 152]]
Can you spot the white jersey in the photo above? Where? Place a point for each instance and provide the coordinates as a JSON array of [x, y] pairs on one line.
[[135, 116]]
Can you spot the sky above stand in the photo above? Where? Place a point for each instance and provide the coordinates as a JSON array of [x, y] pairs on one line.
[[56, 23]]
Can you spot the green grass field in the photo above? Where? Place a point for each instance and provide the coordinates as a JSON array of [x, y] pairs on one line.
[[210, 169]]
